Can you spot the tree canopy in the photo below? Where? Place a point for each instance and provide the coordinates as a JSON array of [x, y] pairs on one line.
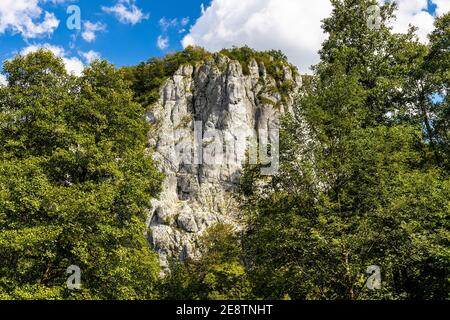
[[75, 183], [362, 181]]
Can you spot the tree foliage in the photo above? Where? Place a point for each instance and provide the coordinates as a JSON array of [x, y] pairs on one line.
[[362, 181], [219, 274], [148, 77], [75, 183]]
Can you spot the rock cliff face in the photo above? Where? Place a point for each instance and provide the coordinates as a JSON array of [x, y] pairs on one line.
[[204, 122]]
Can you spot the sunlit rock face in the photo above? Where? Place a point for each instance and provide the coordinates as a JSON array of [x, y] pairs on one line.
[[206, 123]]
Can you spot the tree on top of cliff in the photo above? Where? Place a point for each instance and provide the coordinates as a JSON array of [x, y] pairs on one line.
[[148, 77]]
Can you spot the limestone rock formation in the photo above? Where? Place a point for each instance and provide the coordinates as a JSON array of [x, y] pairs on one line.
[[202, 111]]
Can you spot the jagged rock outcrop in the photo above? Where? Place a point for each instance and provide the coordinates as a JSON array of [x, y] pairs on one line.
[[203, 110]]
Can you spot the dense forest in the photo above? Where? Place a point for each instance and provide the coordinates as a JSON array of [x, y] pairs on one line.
[[364, 177]]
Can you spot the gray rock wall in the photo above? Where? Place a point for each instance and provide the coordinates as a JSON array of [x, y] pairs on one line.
[[205, 120]]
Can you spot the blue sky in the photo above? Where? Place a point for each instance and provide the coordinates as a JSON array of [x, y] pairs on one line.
[[120, 43], [126, 32]]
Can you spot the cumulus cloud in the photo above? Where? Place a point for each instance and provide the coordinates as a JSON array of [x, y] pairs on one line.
[[127, 12], [293, 26], [90, 30], [162, 42], [414, 12], [442, 6], [90, 55], [27, 18], [73, 64]]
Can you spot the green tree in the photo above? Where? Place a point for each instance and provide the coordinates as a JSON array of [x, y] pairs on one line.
[[75, 183], [437, 68], [218, 274], [148, 77], [356, 186]]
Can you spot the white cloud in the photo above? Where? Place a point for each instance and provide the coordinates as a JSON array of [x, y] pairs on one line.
[[165, 23], [162, 42], [443, 6], [414, 12], [73, 64], [56, 50], [3, 80], [90, 29], [127, 12], [184, 21], [90, 55], [27, 18], [293, 26]]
